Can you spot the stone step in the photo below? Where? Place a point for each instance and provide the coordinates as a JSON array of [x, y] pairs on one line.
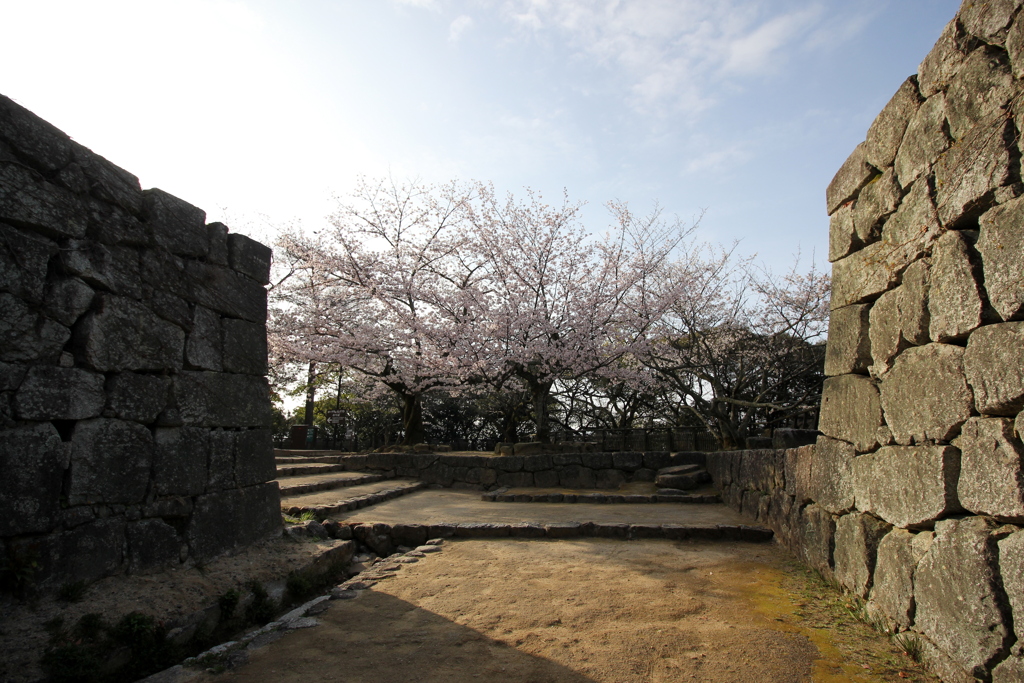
[[304, 469], [324, 503], [527, 496], [301, 460], [297, 485]]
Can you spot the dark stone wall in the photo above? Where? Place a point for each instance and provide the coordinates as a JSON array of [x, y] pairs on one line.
[[134, 410]]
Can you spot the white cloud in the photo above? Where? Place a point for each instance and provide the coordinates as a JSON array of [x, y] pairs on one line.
[[460, 25]]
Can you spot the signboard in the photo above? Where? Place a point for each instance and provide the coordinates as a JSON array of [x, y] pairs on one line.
[[335, 417]]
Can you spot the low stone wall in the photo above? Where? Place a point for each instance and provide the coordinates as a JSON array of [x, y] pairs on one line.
[[489, 472], [134, 411]]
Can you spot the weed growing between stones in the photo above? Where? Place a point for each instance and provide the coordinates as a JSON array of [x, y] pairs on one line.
[[303, 517], [228, 603], [71, 592], [262, 609], [909, 643]]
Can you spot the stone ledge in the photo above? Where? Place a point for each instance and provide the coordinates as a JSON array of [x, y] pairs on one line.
[[603, 498]]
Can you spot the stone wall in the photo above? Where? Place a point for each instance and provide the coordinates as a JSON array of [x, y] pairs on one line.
[[914, 498], [134, 410]]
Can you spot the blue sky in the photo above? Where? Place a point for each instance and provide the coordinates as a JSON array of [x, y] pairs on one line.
[[258, 111]]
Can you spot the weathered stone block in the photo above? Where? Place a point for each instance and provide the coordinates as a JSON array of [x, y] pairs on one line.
[[925, 396], [27, 336], [994, 364], [24, 257], [153, 544], [915, 226], [892, 592], [958, 605], [90, 551], [913, 303], [784, 438], [798, 463], [1011, 570], [876, 201], [226, 519], [864, 274], [817, 531], [842, 236], [1015, 48], [176, 225], [214, 399], [938, 68], [221, 472], [576, 477], [988, 20], [856, 547], [609, 479], [249, 257], [849, 346], [977, 94], [135, 397], [33, 461], [885, 333], [1001, 245], [29, 202], [54, 393], [831, 475], [67, 299], [180, 461], [245, 347], [217, 234], [110, 462], [254, 457], [1010, 670], [226, 291], [39, 142], [991, 469], [204, 347], [115, 269], [107, 181], [121, 334], [924, 140], [908, 486], [886, 132], [165, 272], [851, 177], [515, 479], [113, 226], [850, 410], [545, 479], [967, 176]]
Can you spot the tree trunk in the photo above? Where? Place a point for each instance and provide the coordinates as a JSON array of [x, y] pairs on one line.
[[541, 391], [412, 419], [310, 393]]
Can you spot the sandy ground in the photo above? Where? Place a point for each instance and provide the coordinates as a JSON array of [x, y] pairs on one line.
[[587, 610], [447, 505]]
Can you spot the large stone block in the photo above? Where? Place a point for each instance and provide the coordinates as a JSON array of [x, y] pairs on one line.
[[798, 464], [849, 346], [107, 181], [115, 269], [25, 335], [38, 142], [576, 477], [959, 606], [923, 142], [33, 461], [165, 272], [89, 552], [981, 88], [180, 460], [245, 347], [988, 20], [886, 132], [249, 257], [204, 347], [849, 179], [908, 486], [24, 258], [842, 236], [864, 274], [221, 472], [254, 457], [967, 176], [67, 299], [110, 462], [856, 547], [176, 225], [913, 303], [30, 202], [121, 334], [886, 334], [226, 291], [892, 592], [1010, 670], [955, 304], [215, 399], [226, 519], [911, 231], [831, 476], [850, 410], [136, 397], [876, 201], [1015, 47], [113, 226], [994, 364], [217, 233], [925, 396], [817, 530], [153, 544], [1001, 245], [54, 393], [991, 469], [1011, 570], [939, 67]]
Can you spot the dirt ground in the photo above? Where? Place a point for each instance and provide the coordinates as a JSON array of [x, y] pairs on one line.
[[587, 610]]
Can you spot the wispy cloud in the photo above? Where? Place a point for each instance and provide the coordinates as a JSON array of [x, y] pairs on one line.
[[460, 25]]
